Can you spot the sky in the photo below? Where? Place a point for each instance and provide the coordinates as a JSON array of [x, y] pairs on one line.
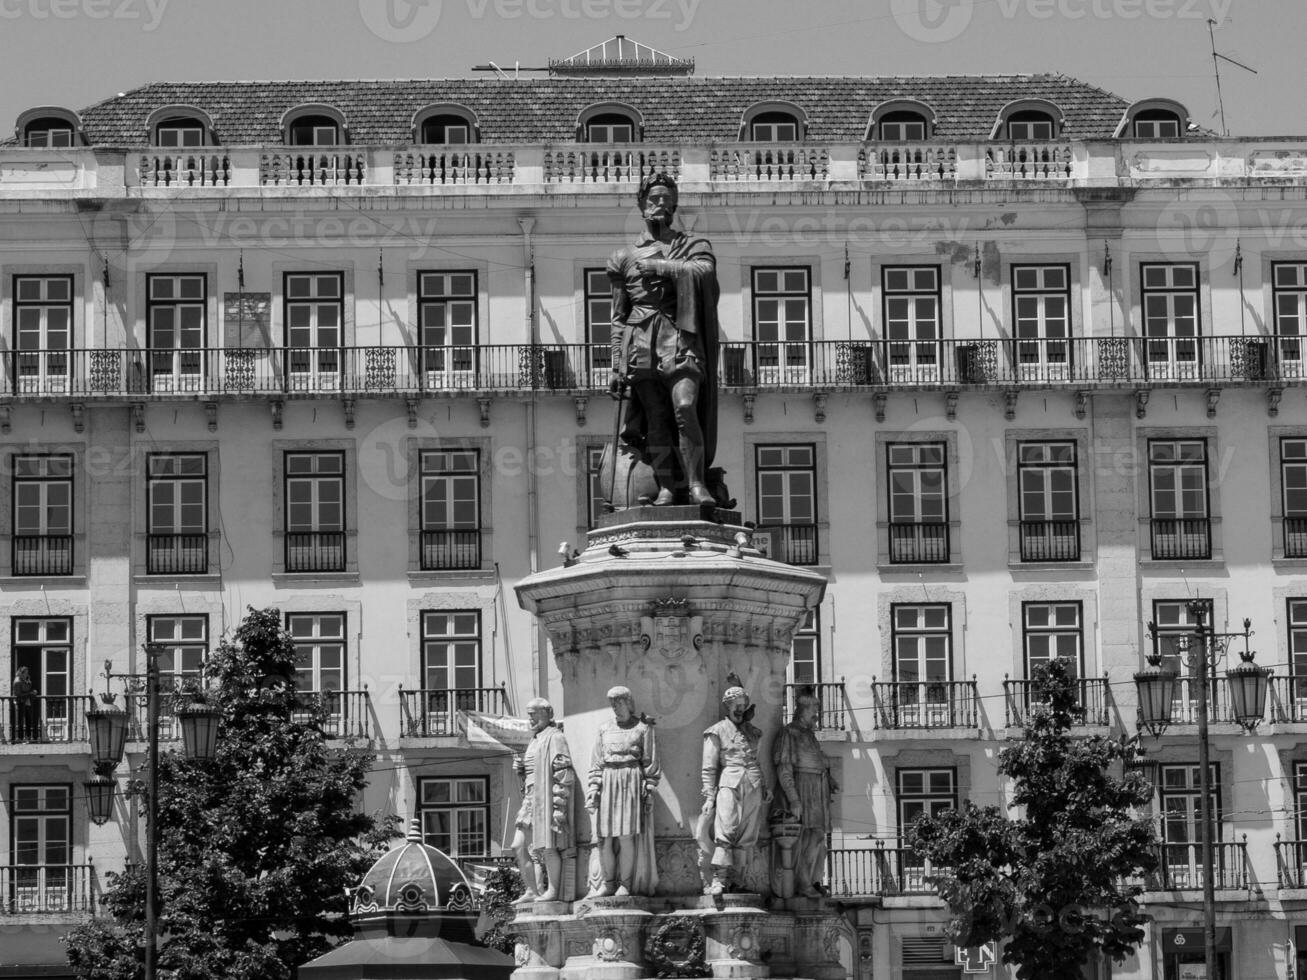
[[77, 52]]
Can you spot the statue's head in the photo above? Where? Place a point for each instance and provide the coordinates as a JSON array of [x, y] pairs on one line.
[[657, 197], [736, 703], [540, 713], [807, 709], [622, 701]]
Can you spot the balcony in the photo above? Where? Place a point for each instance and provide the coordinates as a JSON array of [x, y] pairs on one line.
[[315, 551], [878, 872], [794, 544], [911, 544], [1291, 863], [1050, 540], [1288, 700], [925, 705], [872, 365], [1180, 538], [349, 713], [451, 550], [44, 719], [1295, 537], [1180, 868], [177, 554], [434, 713], [46, 889], [322, 166], [42, 554], [836, 714], [1092, 695]]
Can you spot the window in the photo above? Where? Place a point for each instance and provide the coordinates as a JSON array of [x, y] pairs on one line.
[[455, 813], [805, 658], [48, 131], [41, 849], [1293, 488], [922, 642], [319, 651], [610, 127], [918, 793], [179, 131], [451, 509], [911, 319], [451, 668], [1173, 626], [597, 495], [314, 130], [1156, 124], [1177, 478], [787, 502], [1298, 658], [1041, 303], [1289, 294], [918, 503], [1052, 631], [1171, 327], [1049, 501], [185, 642], [43, 515], [177, 509], [447, 311], [1300, 807], [774, 127], [176, 315], [315, 313], [315, 512], [44, 647], [43, 329], [1180, 790], [782, 325], [599, 325], [447, 128], [901, 126], [1031, 125]]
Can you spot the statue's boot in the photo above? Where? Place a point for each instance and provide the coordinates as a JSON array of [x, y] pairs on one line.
[[691, 454]]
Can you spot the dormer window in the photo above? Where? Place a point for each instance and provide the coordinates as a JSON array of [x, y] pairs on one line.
[[610, 127], [48, 131], [1156, 124], [901, 126], [1030, 125], [447, 128], [774, 127], [179, 131], [314, 131]]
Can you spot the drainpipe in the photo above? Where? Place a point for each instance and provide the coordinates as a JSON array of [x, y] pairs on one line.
[[539, 673]]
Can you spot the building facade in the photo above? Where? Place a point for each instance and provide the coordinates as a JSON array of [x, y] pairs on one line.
[[1018, 363]]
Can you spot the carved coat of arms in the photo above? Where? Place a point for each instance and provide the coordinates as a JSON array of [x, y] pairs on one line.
[[670, 631]]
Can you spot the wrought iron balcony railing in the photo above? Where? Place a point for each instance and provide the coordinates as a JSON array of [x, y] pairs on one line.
[[177, 554], [1180, 867], [747, 365], [879, 871], [315, 551], [1295, 537], [42, 554], [434, 712], [46, 889], [1291, 862], [1092, 694], [918, 543], [44, 718], [925, 704], [1050, 540], [349, 713], [1288, 699], [451, 550], [794, 544], [836, 714], [1176, 538]]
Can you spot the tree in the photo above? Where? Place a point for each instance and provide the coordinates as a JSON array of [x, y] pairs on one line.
[[1058, 881], [257, 846], [503, 886]]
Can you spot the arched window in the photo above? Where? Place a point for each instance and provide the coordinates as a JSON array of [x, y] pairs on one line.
[[1030, 125], [902, 125], [446, 127], [610, 127], [315, 129], [775, 127], [1156, 124], [180, 131], [49, 131]]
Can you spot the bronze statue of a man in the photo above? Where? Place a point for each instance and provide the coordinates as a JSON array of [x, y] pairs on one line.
[[734, 793], [665, 347], [544, 822], [806, 787]]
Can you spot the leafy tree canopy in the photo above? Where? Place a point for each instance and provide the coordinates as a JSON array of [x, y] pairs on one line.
[[257, 847], [1059, 879]]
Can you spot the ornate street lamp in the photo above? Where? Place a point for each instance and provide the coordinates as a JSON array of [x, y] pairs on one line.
[[199, 724], [99, 797], [1156, 687], [108, 727], [1248, 685]]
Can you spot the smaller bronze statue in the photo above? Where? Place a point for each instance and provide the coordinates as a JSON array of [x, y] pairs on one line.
[[734, 793], [544, 822], [806, 787], [624, 773]]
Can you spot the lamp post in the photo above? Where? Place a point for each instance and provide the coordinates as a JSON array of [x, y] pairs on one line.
[[1248, 685], [108, 727]]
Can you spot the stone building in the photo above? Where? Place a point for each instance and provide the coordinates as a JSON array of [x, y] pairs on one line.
[[1017, 362]]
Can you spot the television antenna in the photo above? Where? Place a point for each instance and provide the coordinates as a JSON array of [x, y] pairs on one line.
[[1217, 58]]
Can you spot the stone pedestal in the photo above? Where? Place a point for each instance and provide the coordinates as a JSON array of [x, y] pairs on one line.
[[668, 602]]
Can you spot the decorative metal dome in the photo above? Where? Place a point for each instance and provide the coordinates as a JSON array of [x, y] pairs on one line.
[[413, 879]]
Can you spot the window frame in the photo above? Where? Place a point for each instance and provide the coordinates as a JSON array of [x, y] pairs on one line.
[[40, 133], [64, 561], [1048, 536], [1154, 117], [1054, 355], [455, 695], [180, 647], [900, 117], [452, 543], [1051, 631], [1183, 352], [607, 125], [597, 296], [55, 710], [315, 502], [444, 361], [766, 127], [54, 363], [921, 552], [1181, 516], [313, 366], [922, 632], [43, 817], [315, 641], [181, 552], [180, 125], [774, 358], [790, 542], [178, 356], [912, 358], [455, 806], [1289, 344], [1292, 542], [1026, 117]]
